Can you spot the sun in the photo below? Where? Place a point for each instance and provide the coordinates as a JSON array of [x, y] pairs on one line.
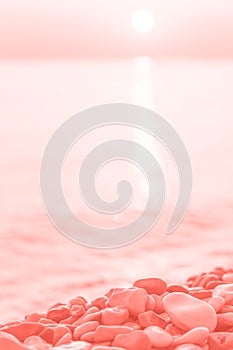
[[142, 21]]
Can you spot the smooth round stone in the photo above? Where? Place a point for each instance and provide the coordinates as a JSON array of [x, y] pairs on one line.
[[77, 345], [158, 337], [114, 316], [188, 347], [133, 341], [61, 333], [103, 347], [221, 341], [153, 285], [137, 302], [108, 333], [196, 336], [225, 291], [150, 318], [35, 342], [84, 328], [209, 278], [8, 341], [227, 308], [171, 288], [120, 298], [217, 303], [188, 312], [228, 277], [173, 330], [65, 339], [24, 330], [225, 321], [150, 303]]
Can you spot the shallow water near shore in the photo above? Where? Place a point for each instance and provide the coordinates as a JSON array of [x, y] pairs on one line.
[[39, 266]]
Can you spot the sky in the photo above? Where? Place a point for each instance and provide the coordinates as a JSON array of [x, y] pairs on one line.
[[104, 28]]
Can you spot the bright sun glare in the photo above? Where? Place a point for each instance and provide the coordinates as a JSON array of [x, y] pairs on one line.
[[142, 21]]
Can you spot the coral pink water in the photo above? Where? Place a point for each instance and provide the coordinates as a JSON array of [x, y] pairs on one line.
[[40, 267]]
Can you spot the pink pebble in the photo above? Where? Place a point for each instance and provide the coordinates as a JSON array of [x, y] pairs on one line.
[[217, 303], [214, 284], [159, 337], [59, 332], [132, 324], [158, 308], [224, 321], [11, 323], [228, 277], [114, 316], [171, 288], [188, 312], [225, 291], [58, 314], [188, 347], [226, 308], [108, 333], [102, 343], [77, 345], [47, 321], [92, 310], [66, 339], [173, 330], [201, 294], [165, 316], [193, 289], [114, 291], [221, 341], [9, 342], [37, 343], [205, 347], [78, 301], [219, 270], [133, 341], [197, 335], [47, 334], [192, 278], [198, 280], [137, 302], [88, 337], [150, 318], [77, 310], [33, 317], [102, 347], [24, 330], [152, 285], [94, 316], [100, 302], [84, 328], [120, 298], [150, 303], [209, 278]]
